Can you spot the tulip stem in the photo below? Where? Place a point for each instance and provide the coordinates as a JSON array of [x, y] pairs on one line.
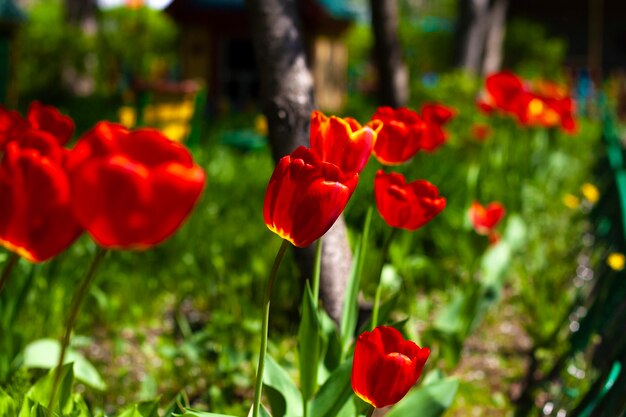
[[79, 296], [383, 257], [370, 411], [317, 270], [8, 267], [258, 385]]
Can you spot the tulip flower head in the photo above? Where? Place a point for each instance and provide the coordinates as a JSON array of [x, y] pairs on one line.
[[49, 119], [305, 196], [36, 221], [132, 189], [400, 137], [545, 106], [343, 142], [485, 219], [385, 366], [44, 120], [434, 116], [407, 206]]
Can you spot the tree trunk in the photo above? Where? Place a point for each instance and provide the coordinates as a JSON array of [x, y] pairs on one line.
[[495, 37], [480, 35], [393, 80], [287, 101]]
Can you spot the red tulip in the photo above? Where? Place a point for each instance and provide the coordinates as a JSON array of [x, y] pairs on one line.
[[503, 91], [11, 125], [36, 220], [132, 189], [485, 219], [49, 119], [435, 116], [407, 206], [400, 137], [41, 119], [305, 196], [385, 366], [342, 142]]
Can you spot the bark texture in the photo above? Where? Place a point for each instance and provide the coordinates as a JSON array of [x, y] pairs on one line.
[[393, 80], [480, 35], [287, 101]]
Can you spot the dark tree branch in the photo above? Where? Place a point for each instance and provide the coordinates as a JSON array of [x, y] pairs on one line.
[[393, 89]]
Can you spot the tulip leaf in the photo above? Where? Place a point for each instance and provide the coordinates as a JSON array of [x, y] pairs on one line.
[[7, 404], [44, 353], [309, 344], [431, 400], [194, 413], [336, 391], [277, 378], [262, 412], [350, 302], [142, 409], [40, 392]]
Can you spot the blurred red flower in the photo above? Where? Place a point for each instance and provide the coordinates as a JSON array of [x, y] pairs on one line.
[[547, 105], [434, 116], [342, 141], [485, 219], [36, 220], [407, 206], [305, 196], [480, 131], [385, 366], [400, 137], [503, 91], [42, 119], [49, 119], [132, 189]]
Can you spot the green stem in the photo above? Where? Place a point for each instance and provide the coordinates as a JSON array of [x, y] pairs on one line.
[[258, 385], [317, 270], [383, 258], [77, 301], [8, 267], [370, 411]]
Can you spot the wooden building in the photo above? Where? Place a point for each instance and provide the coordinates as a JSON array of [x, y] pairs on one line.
[[216, 46]]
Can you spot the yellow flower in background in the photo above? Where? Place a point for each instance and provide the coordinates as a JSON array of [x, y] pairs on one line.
[[616, 261], [260, 125], [571, 201], [590, 192], [127, 117]]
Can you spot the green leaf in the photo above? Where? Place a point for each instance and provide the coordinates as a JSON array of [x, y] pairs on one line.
[[309, 344], [278, 379], [431, 400], [44, 353], [262, 412], [40, 392], [8, 407], [333, 395], [350, 303], [331, 347], [142, 409], [515, 234], [33, 409], [193, 413]]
